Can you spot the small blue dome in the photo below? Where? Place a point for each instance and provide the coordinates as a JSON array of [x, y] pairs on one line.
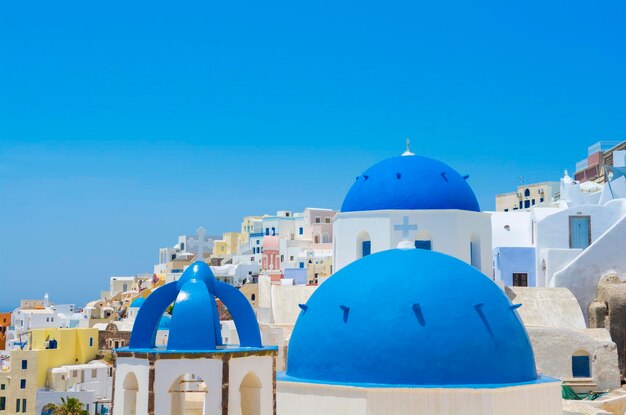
[[137, 302], [410, 317], [409, 183], [194, 325]]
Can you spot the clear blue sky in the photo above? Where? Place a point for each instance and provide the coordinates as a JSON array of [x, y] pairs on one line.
[[125, 124]]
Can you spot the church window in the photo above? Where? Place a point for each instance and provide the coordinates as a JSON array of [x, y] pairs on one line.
[[250, 394], [366, 248], [423, 245], [581, 367], [526, 192], [526, 204], [253, 297], [520, 279]]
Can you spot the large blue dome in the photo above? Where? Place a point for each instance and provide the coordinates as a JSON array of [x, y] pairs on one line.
[[410, 317], [410, 182]]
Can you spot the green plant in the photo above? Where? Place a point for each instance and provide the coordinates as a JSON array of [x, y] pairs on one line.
[[69, 406]]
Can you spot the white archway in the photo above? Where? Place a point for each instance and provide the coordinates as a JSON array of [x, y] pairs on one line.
[[250, 394], [130, 388], [363, 244], [188, 395]]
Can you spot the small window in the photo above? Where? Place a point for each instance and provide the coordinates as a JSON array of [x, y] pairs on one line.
[[17, 405], [526, 204], [2, 387], [301, 264], [527, 192], [301, 230], [24, 364], [533, 202], [318, 220], [506, 210], [291, 258], [282, 258], [520, 279], [24, 405], [327, 220], [253, 297], [273, 231], [3, 403], [91, 342], [22, 383], [258, 241], [94, 373], [581, 367], [366, 248], [267, 231]]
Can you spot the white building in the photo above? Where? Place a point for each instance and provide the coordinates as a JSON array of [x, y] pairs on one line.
[[572, 243], [416, 199]]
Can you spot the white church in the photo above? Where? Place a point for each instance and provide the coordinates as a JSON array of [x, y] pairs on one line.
[[414, 198]]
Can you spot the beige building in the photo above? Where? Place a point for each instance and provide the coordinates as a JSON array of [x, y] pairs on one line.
[[527, 196]]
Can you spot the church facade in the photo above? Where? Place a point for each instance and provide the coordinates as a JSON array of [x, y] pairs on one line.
[[417, 200]]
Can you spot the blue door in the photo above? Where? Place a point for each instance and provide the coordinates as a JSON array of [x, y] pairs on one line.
[[366, 248], [579, 232]]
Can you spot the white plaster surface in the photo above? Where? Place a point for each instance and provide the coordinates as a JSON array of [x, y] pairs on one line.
[[124, 366], [548, 307], [450, 232], [261, 366], [314, 399]]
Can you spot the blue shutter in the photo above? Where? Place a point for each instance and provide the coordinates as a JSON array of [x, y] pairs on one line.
[[366, 248], [580, 367], [423, 245]]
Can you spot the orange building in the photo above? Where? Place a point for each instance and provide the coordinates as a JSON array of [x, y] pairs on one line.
[[5, 322]]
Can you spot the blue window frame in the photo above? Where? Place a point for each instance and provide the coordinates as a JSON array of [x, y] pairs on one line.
[[273, 231], [91, 342], [301, 230], [24, 364], [301, 264], [581, 367], [423, 245], [22, 383], [366, 248], [267, 231]]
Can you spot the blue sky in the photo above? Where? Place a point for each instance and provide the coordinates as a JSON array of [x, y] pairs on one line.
[[125, 124]]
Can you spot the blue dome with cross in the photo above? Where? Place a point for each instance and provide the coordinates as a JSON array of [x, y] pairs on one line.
[[410, 182], [410, 317], [194, 325]]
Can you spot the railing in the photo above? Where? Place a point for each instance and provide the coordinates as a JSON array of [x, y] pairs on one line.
[[256, 234]]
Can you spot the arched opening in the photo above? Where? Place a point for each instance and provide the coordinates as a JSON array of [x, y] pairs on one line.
[[423, 240], [363, 245], [188, 394], [250, 393], [581, 365], [526, 192], [475, 251], [130, 388], [325, 238]]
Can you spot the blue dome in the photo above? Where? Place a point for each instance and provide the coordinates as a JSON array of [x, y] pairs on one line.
[[410, 317], [194, 325], [410, 182], [137, 302]]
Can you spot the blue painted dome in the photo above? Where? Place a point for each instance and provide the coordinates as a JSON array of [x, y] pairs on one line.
[[410, 317], [409, 183], [137, 302]]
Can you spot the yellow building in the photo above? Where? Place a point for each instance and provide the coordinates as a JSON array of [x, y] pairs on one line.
[[248, 227], [219, 248], [46, 349], [232, 242]]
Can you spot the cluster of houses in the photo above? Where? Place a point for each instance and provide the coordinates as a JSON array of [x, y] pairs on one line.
[[409, 260]]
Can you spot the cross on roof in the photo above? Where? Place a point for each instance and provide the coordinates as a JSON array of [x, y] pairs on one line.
[[405, 228], [200, 243]]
